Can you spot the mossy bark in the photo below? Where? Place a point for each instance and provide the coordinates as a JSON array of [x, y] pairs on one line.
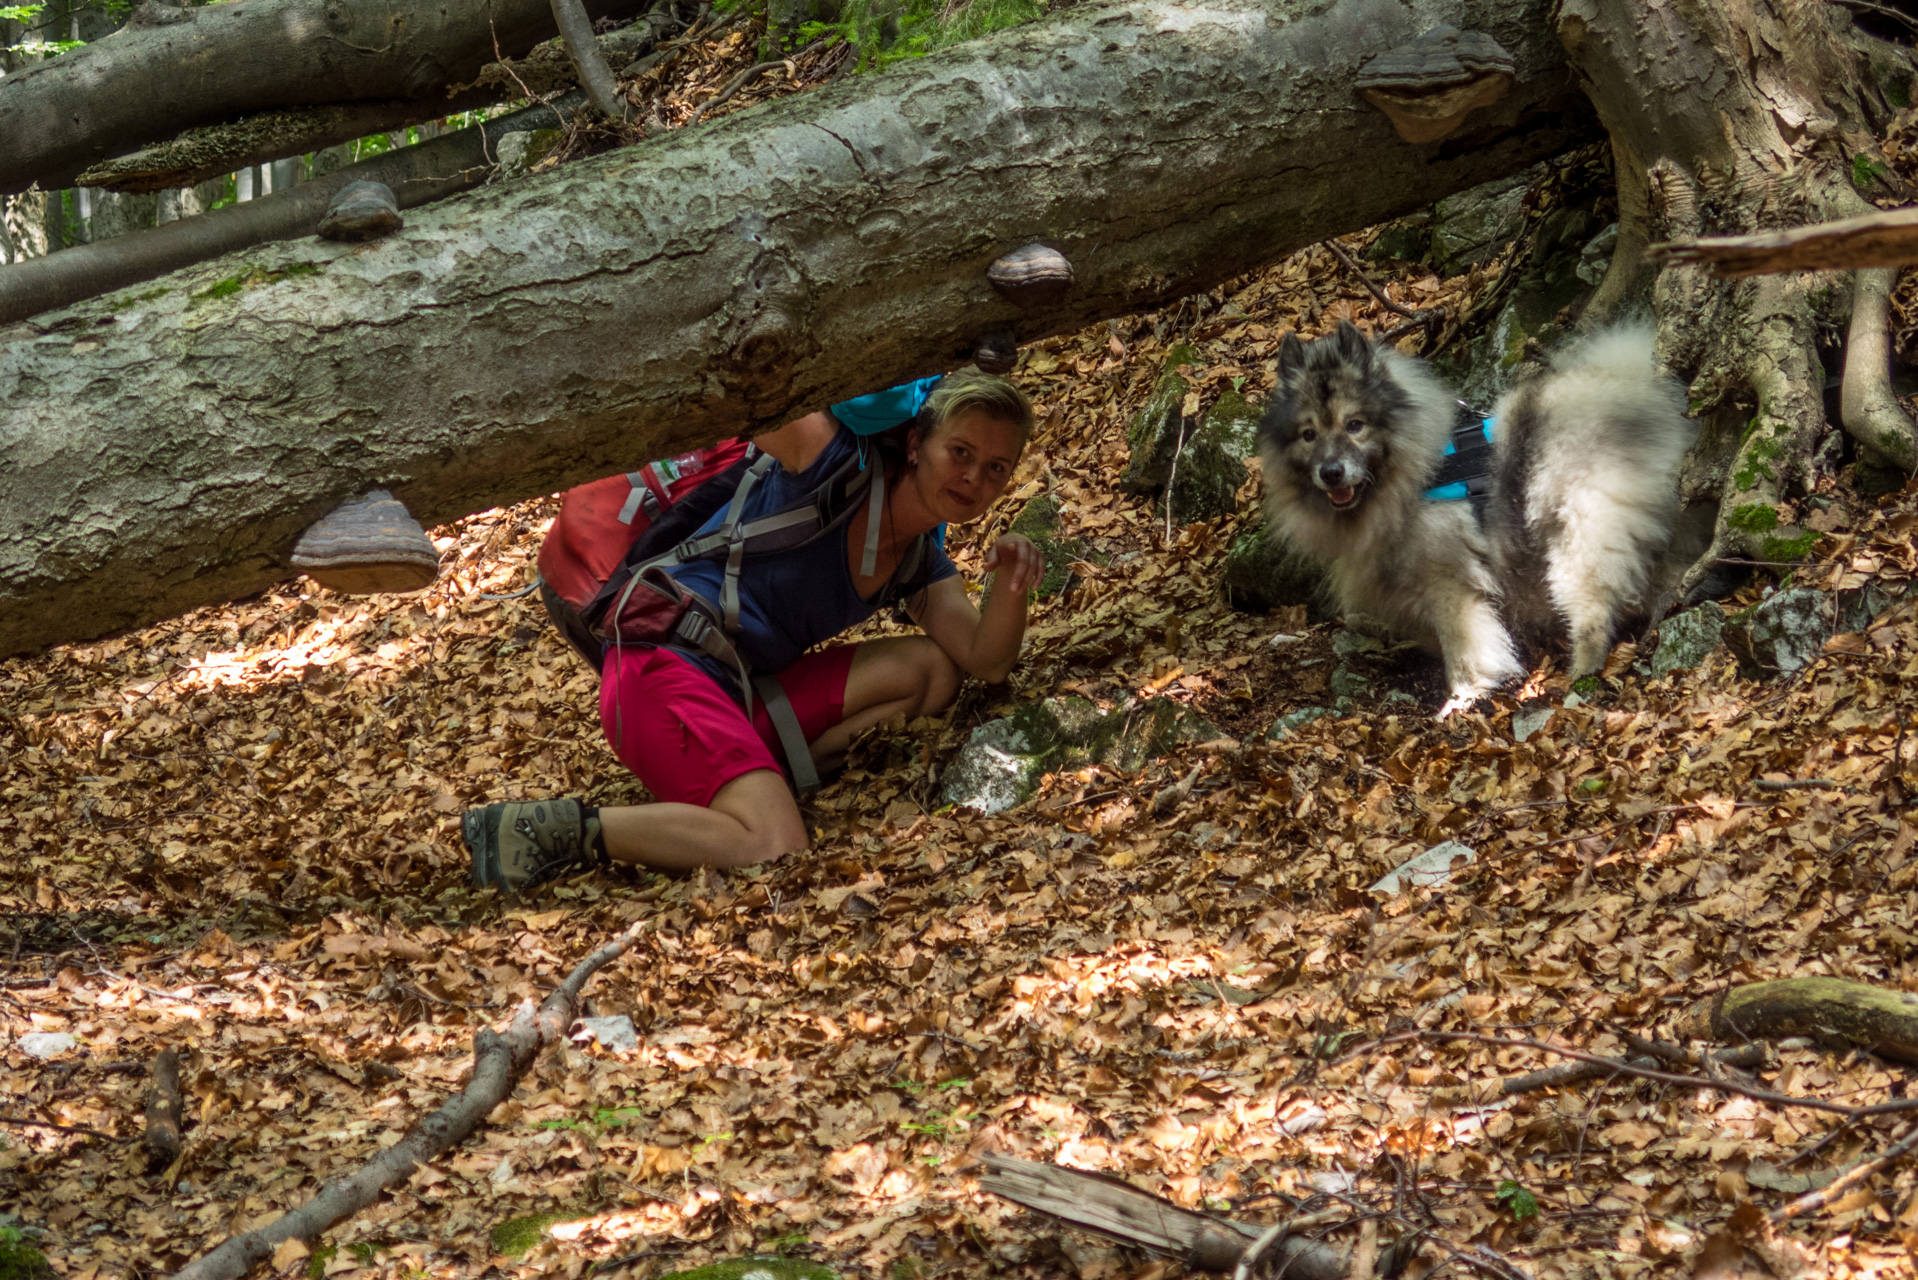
[[1726, 120], [1831, 1010]]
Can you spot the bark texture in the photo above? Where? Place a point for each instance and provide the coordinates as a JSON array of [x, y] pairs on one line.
[[1736, 119], [417, 175], [220, 62], [1831, 1010], [164, 448]]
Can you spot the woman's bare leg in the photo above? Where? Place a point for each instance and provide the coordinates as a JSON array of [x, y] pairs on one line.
[[907, 675], [753, 818]]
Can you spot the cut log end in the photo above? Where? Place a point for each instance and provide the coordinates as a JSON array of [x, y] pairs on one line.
[[367, 547], [361, 211]]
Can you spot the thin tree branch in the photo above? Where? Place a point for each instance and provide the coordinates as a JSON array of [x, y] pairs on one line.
[[746, 77], [1888, 239], [500, 1059], [24, 1123], [1815, 1200], [1414, 319], [602, 90]]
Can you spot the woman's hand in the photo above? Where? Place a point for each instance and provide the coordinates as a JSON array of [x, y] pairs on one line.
[[1020, 565]]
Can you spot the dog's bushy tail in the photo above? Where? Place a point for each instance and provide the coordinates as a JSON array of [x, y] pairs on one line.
[[1585, 487]]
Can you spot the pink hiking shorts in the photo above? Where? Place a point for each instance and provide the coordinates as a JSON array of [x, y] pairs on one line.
[[683, 736]]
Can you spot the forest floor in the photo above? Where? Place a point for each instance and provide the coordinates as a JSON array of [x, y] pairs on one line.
[[235, 834]]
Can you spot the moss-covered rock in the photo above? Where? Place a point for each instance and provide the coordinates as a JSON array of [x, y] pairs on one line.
[[1688, 639], [1039, 521], [757, 1269], [1292, 721], [1474, 226], [1159, 426], [1211, 467], [1003, 761], [517, 1235], [1261, 573], [19, 1260]]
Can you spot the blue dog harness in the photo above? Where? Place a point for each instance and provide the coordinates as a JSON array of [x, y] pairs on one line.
[[1465, 472]]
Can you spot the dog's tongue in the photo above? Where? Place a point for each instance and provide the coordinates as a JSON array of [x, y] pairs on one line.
[[1340, 496]]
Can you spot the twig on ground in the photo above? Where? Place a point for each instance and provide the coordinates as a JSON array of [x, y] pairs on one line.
[[1723, 1085], [162, 1136], [746, 77], [25, 1123], [1815, 1200], [1795, 784], [1171, 797], [499, 1060], [1413, 319]]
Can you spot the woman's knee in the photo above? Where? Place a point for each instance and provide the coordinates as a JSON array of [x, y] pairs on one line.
[[940, 678], [760, 803]]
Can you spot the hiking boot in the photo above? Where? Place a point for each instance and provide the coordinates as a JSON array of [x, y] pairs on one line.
[[521, 843]]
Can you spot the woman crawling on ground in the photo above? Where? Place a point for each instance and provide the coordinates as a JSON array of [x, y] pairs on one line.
[[677, 720]]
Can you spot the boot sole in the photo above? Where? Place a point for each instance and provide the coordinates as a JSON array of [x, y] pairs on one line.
[[482, 840]]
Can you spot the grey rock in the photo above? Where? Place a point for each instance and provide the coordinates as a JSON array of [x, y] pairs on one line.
[[1595, 259], [1784, 633], [520, 151], [996, 769], [1431, 868], [1859, 605], [1348, 683], [1474, 226], [1261, 573], [1527, 722], [1687, 639], [615, 1032], [1292, 721], [1002, 762], [46, 1044]]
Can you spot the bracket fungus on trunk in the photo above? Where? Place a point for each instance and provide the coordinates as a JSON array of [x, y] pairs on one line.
[[361, 211], [1427, 85], [368, 546], [1029, 278]]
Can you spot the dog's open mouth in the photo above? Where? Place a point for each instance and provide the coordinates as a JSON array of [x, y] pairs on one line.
[[1343, 496]]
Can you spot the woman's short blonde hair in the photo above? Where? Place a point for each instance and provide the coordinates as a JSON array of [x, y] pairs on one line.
[[989, 393]]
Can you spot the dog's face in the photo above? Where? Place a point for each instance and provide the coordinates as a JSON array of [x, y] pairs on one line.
[[1331, 418]]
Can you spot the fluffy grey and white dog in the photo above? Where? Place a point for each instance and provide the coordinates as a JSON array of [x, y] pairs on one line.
[[1583, 497]]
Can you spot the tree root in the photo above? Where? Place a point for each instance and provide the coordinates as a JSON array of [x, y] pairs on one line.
[[499, 1060], [1870, 411], [1830, 1010]]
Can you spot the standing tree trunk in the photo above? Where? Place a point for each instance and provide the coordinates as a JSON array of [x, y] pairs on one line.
[[163, 448], [1727, 119]]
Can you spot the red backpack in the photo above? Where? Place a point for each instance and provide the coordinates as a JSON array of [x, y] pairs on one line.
[[599, 523]]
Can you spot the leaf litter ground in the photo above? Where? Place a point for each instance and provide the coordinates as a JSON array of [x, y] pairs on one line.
[[236, 834]]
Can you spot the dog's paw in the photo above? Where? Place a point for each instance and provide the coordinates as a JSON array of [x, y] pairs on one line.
[[1457, 702]]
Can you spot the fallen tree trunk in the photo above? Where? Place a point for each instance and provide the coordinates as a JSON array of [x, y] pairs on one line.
[[417, 175], [499, 1060], [150, 81], [164, 449], [216, 149]]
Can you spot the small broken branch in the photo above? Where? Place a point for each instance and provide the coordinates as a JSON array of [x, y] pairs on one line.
[[1888, 239], [1114, 1208], [162, 1137], [1812, 1201], [499, 1060], [1414, 319], [602, 90]]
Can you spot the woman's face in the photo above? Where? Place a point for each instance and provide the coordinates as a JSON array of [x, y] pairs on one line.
[[965, 464]]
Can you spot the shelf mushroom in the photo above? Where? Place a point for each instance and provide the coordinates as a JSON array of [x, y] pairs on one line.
[[361, 211], [368, 546], [1028, 277], [1427, 85]]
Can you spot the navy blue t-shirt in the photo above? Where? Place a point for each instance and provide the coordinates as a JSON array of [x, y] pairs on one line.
[[792, 600]]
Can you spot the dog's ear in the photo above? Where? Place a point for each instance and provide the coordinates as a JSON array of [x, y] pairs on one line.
[[1353, 345], [1291, 355]]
